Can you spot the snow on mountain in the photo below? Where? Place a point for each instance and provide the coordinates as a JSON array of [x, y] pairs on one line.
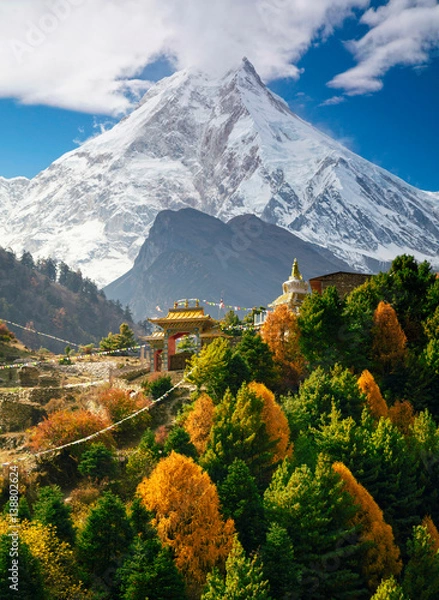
[[226, 147]]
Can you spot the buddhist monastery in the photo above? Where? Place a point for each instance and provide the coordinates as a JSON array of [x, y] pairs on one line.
[[181, 320], [294, 290]]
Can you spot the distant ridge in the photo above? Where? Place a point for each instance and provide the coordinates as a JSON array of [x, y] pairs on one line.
[[189, 254]]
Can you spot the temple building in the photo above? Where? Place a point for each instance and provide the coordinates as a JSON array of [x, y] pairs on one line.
[[343, 281], [180, 321], [294, 291]]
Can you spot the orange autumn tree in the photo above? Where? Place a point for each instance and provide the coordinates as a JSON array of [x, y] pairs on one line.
[[375, 402], [199, 422], [402, 415], [281, 332], [275, 421], [382, 557], [65, 426], [187, 516], [389, 343], [119, 404]]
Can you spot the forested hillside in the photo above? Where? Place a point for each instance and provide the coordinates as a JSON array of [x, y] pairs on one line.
[[303, 464], [52, 298]]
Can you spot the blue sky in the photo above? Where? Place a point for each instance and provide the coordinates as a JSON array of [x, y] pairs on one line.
[[382, 86]]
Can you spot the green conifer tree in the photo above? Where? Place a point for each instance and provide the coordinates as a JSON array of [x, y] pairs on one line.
[[106, 535], [316, 514], [180, 441], [389, 590], [50, 509], [258, 357], [239, 432], [150, 572], [244, 579], [421, 576], [280, 566], [30, 583], [240, 500]]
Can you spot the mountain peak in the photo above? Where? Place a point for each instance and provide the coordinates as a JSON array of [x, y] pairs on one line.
[[226, 146]]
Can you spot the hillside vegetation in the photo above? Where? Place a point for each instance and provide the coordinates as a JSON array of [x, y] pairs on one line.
[[56, 300], [304, 465]]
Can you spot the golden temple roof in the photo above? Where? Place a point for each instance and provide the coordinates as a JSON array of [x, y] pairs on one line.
[[184, 316]]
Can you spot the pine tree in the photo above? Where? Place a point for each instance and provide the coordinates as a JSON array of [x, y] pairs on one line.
[[217, 368], [258, 356], [50, 509], [98, 462], [317, 515], [280, 566], [239, 431], [243, 581], [322, 331], [149, 572], [106, 534], [180, 441], [421, 575], [424, 445], [317, 395], [389, 590], [30, 583], [240, 501], [397, 469]]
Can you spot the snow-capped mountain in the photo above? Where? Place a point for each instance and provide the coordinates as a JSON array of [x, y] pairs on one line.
[[225, 147]]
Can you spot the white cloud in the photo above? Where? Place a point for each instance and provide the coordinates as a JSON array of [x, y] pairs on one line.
[[88, 55], [403, 32], [333, 101]]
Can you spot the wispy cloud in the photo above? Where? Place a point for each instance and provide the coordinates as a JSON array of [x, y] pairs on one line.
[[333, 101], [403, 32], [88, 55]]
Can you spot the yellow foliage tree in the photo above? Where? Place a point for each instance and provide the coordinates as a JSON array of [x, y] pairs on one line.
[[382, 557], [56, 558], [389, 340], [427, 522], [375, 402], [187, 516], [281, 332], [199, 422], [275, 421], [402, 415]]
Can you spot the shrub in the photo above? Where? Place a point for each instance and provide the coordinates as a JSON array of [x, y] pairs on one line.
[[65, 426], [158, 387], [98, 462], [120, 404]]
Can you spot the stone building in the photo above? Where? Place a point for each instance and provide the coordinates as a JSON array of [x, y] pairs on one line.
[[343, 281]]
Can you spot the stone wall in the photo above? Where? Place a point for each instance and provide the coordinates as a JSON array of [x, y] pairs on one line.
[[18, 415]]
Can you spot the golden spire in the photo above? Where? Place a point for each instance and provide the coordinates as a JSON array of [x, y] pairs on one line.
[[295, 273]]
